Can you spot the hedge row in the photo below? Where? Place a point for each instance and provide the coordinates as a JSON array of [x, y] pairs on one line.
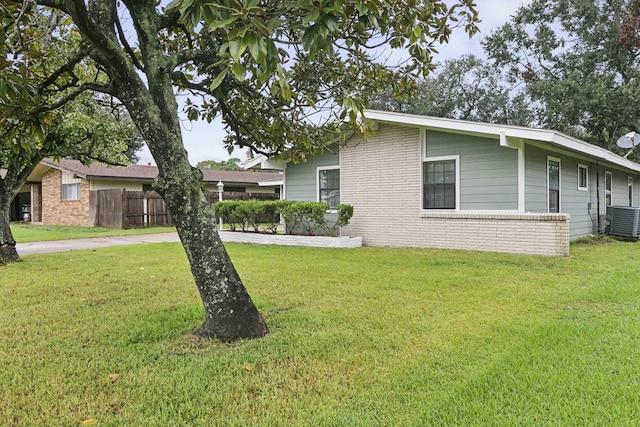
[[264, 216]]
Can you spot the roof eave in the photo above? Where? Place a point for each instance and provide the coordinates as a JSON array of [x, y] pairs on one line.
[[487, 129]]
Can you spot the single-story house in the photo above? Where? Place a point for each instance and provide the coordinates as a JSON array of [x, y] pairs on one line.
[[435, 182], [59, 192]]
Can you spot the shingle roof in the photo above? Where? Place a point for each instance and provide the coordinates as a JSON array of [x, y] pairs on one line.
[[147, 173]]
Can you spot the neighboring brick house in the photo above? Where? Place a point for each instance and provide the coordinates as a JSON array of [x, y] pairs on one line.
[[59, 193]]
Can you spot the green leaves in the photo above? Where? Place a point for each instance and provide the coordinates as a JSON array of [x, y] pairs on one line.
[[280, 63], [576, 61]]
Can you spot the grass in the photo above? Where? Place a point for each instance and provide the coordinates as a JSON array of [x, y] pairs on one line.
[[23, 233], [362, 337]]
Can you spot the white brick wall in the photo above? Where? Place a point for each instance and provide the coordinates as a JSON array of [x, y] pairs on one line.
[[381, 178]]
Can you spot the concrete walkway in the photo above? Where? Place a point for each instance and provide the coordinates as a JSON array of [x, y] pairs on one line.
[[226, 236], [93, 243]]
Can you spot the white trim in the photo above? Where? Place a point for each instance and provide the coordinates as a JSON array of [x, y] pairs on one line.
[[630, 189], [497, 214], [517, 144], [324, 168], [586, 168], [521, 179], [283, 193], [555, 159], [263, 162], [274, 183], [485, 129], [455, 157], [606, 172]]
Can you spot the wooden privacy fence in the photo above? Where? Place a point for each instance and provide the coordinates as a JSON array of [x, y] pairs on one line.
[[119, 208], [212, 196]]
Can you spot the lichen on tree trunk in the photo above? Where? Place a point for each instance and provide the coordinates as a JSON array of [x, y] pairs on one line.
[[8, 251], [229, 311], [151, 103]]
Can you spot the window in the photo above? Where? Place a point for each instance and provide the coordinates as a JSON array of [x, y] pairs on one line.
[[608, 179], [583, 177], [440, 183], [630, 185], [329, 186], [553, 184], [70, 187]]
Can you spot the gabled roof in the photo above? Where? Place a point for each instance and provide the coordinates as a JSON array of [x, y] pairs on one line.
[[148, 173], [503, 132]]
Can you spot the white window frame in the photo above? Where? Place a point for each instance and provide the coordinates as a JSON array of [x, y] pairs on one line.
[[439, 159], [555, 159], [586, 172], [608, 190], [324, 168], [68, 179], [630, 189]]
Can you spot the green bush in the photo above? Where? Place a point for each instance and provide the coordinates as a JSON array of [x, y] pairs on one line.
[[271, 211], [309, 215], [227, 211], [345, 212], [265, 215]]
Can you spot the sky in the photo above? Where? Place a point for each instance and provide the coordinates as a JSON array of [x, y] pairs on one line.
[[203, 141]]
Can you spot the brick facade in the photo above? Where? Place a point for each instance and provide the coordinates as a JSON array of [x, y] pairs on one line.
[[381, 178], [36, 203], [56, 211]]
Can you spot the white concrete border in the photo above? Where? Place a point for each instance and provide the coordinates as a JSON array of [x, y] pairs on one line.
[[291, 240]]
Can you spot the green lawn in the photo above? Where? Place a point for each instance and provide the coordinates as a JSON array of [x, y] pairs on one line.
[[37, 233], [362, 337]]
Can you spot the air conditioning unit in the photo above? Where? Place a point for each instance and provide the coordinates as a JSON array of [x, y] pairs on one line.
[[624, 221]]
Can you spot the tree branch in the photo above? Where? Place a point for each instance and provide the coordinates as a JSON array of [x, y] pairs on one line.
[[66, 68], [126, 46]]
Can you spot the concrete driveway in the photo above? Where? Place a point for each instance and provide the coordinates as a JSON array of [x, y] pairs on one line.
[[93, 243]]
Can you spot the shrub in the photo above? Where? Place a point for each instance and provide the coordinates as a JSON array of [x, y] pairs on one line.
[[227, 211], [310, 216], [271, 211], [345, 212]]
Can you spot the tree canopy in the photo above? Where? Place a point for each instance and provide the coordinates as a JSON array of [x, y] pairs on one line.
[[43, 114], [233, 164], [467, 88], [282, 76], [579, 62]]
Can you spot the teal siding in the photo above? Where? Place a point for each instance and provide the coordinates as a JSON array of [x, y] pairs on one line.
[[488, 172], [535, 167], [581, 205], [301, 178]]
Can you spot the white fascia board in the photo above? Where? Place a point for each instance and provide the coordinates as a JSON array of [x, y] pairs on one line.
[[254, 161], [502, 132], [264, 163], [273, 183]]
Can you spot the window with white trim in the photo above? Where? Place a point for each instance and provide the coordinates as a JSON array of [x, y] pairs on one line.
[[553, 184], [583, 177], [70, 187], [329, 186], [440, 183], [608, 183], [630, 186]]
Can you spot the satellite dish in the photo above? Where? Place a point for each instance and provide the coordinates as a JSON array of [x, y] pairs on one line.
[[630, 140]]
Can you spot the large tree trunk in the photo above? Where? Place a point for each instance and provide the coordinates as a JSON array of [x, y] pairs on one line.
[[230, 312], [8, 252]]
